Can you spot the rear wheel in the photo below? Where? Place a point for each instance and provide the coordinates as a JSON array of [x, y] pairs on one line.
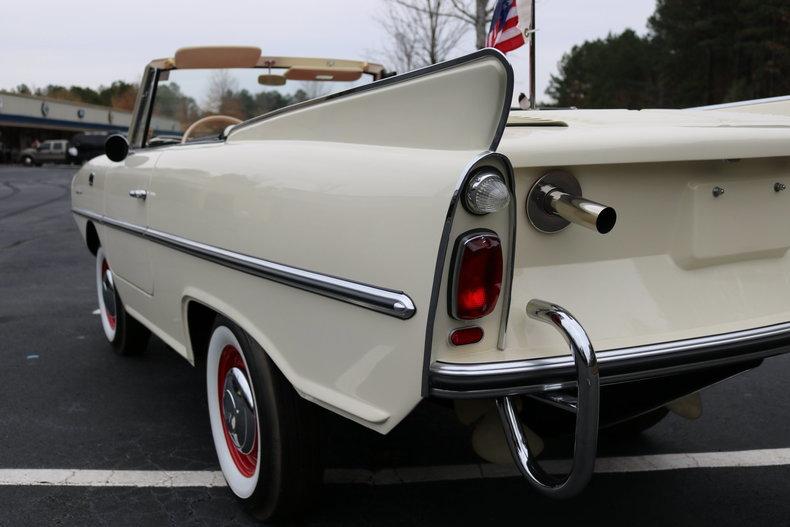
[[126, 335], [265, 434]]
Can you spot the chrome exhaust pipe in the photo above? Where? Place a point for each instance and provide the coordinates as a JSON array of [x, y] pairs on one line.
[[580, 211], [555, 201]]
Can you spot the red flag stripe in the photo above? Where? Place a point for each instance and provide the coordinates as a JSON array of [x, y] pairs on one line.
[[511, 44], [505, 35], [513, 32]]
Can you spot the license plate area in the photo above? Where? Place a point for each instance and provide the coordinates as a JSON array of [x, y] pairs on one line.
[[733, 220]]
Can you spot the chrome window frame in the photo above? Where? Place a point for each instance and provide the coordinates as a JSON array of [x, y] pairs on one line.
[[143, 106]]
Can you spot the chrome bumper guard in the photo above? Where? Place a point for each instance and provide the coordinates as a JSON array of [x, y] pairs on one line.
[[587, 402], [587, 371]]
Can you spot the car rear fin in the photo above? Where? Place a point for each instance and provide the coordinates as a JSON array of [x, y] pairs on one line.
[[461, 104]]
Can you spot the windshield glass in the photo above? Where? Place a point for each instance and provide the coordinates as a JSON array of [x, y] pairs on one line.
[[184, 97]]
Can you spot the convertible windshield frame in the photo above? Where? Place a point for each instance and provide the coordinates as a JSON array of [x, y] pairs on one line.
[[140, 126]]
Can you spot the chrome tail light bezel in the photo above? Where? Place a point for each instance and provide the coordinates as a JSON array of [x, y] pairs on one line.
[[477, 183]]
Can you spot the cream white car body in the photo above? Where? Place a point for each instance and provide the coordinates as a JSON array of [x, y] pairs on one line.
[[363, 187]]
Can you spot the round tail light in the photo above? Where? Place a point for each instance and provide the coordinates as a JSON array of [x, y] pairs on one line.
[[485, 193]]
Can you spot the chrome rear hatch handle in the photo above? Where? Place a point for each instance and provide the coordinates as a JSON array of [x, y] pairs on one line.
[[587, 408]]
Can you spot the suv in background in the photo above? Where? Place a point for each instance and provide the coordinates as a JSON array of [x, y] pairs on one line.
[[51, 151], [87, 145]]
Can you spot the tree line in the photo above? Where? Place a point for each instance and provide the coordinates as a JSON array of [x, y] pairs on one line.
[[171, 102], [696, 52], [119, 94], [223, 97]]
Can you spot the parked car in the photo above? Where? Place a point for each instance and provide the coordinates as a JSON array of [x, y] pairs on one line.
[[414, 237], [86, 145], [6, 153], [51, 151]]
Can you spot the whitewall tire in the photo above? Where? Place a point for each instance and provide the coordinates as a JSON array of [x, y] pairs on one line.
[[105, 287], [126, 335], [241, 466], [266, 436]]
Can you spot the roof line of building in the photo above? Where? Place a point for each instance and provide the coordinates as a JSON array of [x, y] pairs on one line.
[[64, 101]]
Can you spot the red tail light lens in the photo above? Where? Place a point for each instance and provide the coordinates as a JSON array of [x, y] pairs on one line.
[[477, 279], [464, 336]]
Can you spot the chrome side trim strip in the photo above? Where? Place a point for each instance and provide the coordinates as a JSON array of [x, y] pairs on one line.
[[397, 79], [389, 302], [619, 365]]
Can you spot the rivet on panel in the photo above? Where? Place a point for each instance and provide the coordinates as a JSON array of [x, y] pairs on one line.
[[717, 191]]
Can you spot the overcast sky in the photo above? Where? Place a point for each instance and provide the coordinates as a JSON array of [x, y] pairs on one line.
[[93, 42]]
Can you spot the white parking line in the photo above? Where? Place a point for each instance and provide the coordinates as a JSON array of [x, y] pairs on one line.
[[606, 465], [110, 478]]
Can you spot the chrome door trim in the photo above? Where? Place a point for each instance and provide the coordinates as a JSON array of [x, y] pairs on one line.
[[142, 108], [456, 380], [389, 302], [120, 225]]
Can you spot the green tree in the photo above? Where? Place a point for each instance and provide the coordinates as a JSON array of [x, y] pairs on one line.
[[617, 71], [721, 51], [697, 52], [87, 95], [171, 102]]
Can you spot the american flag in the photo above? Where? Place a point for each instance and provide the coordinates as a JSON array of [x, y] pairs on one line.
[[508, 24]]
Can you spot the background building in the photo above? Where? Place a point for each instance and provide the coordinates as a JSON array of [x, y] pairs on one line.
[[25, 119]]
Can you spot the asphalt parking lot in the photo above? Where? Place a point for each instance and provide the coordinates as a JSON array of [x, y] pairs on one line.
[[69, 403]]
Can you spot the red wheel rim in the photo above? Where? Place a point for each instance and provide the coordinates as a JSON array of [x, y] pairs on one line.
[[111, 319], [245, 463]]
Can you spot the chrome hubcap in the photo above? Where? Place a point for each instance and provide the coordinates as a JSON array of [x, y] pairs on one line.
[[108, 293], [238, 410]]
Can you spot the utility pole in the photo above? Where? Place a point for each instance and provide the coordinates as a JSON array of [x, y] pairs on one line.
[[532, 68]]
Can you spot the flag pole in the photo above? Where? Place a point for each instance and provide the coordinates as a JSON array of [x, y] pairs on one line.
[[532, 102]]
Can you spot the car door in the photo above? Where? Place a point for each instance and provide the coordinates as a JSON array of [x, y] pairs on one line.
[[126, 209], [44, 152], [58, 152]]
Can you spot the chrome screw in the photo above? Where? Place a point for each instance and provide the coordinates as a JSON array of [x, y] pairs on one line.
[[717, 191], [779, 187]]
